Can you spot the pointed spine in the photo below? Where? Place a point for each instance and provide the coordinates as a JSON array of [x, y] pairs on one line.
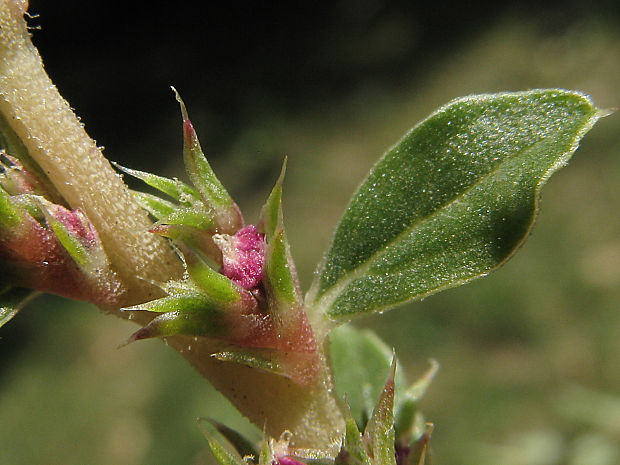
[[213, 193]]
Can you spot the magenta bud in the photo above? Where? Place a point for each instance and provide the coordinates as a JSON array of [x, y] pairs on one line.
[[243, 256], [60, 254], [287, 460], [76, 224]]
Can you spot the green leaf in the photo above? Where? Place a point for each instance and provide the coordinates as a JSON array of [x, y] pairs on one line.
[[223, 454], [280, 270], [157, 207], [260, 359], [266, 454], [30, 204], [451, 201], [192, 217], [244, 447], [214, 284], [208, 322], [361, 362], [12, 300], [69, 241], [190, 313], [9, 214], [203, 178], [380, 428], [282, 282], [171, 187], [272, 210], [187, 302], [353, 450]]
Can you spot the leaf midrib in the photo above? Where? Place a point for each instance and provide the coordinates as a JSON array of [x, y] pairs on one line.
[[328, 297]]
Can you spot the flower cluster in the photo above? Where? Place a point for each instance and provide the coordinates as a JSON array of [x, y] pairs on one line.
[[46, 246], [240, 288]]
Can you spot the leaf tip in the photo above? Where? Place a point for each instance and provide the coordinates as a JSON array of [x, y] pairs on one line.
[[188, 128], [178, 98], [282, 171], [143, 333], [603, 112], [126, 342]]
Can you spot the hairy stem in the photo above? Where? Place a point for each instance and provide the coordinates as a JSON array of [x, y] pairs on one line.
[[58, 143]]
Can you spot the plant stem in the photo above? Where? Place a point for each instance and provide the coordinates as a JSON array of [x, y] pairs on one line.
[[57, 142]]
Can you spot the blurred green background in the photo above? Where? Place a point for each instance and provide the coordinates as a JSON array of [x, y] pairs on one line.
[[530, 356]]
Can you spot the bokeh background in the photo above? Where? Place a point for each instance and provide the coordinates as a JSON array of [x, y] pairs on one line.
[[530, 356]]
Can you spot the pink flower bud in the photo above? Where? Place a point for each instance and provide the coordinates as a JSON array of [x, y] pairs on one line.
[[61, 255], [243, 256], [286, 460]]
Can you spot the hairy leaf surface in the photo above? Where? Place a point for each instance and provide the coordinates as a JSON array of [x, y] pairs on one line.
[[451, 201], [361, 363]]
